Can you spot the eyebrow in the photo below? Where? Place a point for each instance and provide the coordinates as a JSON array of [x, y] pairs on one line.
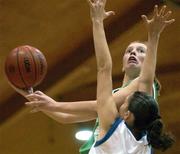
[[129, 48], [141, 48]]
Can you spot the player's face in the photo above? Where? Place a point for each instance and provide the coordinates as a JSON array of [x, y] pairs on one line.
[[134, 56]]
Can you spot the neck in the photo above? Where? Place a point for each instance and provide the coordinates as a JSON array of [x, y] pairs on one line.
[[137, 134], [128, 78]]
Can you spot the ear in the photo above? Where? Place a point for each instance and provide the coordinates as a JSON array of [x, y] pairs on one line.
[[127, 115]]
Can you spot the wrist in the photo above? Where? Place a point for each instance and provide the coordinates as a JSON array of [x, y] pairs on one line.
[[97, 21], [153, 35], [55, 106]]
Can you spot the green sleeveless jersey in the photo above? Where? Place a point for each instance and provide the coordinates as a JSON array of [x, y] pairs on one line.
[[84, 149]]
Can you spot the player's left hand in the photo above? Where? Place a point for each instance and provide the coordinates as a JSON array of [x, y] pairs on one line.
[[159, 20], [97, 10]]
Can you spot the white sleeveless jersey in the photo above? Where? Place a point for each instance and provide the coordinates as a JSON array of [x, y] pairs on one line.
[[120, 140]]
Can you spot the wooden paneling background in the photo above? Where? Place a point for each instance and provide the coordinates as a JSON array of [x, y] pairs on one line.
[[62, 31]]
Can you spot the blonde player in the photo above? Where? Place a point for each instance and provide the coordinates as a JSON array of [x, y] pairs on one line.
[[135, 126]]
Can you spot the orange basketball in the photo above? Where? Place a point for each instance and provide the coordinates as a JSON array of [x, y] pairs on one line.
[[25, 67]]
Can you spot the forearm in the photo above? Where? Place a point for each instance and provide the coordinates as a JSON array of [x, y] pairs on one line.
[[104, 62], [101, 47], [155, 27], [66, 118], [149, 65], [106, 106], [75, 107], [147, 74]]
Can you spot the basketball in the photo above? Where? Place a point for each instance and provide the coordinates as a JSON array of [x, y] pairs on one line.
[[25, 67]]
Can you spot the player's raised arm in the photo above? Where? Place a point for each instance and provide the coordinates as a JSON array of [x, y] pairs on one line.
[[154, 26], [106, 106]]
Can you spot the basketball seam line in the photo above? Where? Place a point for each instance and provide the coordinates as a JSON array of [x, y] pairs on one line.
[[35, 64], [20, 70]]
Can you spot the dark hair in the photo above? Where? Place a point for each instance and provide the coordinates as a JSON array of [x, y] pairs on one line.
[[147, 118]]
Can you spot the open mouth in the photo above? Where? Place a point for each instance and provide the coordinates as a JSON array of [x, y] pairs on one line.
[[132, 60]]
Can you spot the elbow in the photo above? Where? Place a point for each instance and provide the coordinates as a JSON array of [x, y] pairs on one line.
[[104, 67], [93, 106]]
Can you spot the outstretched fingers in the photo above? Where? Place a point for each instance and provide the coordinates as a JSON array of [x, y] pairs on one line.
[[145, 19], [166, 16], [103, 1], [162, 11], [156, 10], [110, 13], [170, 21], [90, 3], [96, 2]]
